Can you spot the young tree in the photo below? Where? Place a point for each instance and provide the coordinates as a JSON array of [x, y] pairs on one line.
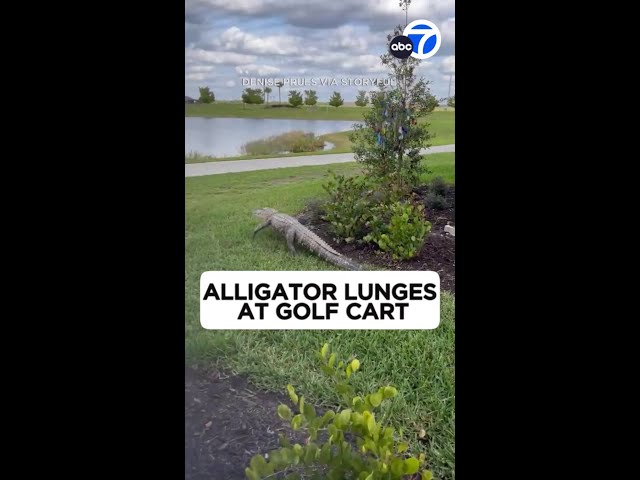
[[279, 84], [311, 98], [267, 91], [206, 95], [390, 140], [362, 99], [336, 100], [295, 98], [452, 102], [252, 96], [404, 5]]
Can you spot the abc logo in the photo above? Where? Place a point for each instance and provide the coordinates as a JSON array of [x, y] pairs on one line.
[[401, 47], [425, 37]]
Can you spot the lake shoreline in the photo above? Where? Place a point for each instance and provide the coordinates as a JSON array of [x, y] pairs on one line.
[[223, 138]]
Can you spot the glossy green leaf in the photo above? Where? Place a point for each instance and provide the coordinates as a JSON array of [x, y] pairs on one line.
[[284, 412], [292, 394], [411, 466], [375, 399], [251, 475], [390, 392], [296, 423], [309, 412], [345, 416], [397, 467], [258, 464], [326, 418], [332, 360]]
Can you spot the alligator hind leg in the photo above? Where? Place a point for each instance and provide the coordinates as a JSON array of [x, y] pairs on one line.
[[260, 227], [291, 237]]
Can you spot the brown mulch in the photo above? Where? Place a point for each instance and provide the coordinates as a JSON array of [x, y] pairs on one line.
[[226, 422], [438, 253]]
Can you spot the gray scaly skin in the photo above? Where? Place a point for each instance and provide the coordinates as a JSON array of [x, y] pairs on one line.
[[295, 231]]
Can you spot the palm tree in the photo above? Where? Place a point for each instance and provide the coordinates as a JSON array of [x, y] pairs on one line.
[[267, 91], [279, 84]]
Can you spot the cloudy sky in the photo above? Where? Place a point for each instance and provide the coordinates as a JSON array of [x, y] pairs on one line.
[[227, 41]]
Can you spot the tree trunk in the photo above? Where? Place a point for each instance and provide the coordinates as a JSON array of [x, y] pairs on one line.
[[401, 122]]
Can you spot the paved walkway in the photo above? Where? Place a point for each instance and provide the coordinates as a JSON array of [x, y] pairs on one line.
[[215, 168]]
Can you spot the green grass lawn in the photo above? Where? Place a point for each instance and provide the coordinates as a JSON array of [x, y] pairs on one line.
[[233, 110], [441, 124], [421, 364]]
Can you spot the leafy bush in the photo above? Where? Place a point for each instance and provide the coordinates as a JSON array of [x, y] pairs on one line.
[[399, 228], [294, 142], [349, 206], [253, 96], [329, 452], [315, 209], [435, 201], [295, 98], [438, 186]]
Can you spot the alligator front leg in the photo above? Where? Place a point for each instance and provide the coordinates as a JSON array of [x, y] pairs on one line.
[[291, 237], [260, 227]]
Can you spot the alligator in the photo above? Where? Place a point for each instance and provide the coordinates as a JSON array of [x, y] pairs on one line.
[[294, 231]]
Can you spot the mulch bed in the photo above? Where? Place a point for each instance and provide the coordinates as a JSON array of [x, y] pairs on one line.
[[226, 422], [438, 253]]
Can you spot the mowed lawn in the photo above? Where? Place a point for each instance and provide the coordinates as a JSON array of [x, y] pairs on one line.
[[218, 236]]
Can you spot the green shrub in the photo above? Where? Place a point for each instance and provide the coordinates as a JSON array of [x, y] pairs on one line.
[[294, 142], [349, 206], [315, 209], [438, 186], [435, 201], [399, 228], [330, 452]]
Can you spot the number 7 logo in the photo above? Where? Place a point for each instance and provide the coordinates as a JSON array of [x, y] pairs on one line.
[[426, 38]]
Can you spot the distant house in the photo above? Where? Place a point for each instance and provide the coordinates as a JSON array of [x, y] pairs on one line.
[[189, 100]]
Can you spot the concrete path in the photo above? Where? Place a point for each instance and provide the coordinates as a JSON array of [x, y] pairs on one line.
[[215, 168]]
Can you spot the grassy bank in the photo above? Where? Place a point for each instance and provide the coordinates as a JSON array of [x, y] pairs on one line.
[[290, 142], [237, 110], [304, 112], [218, 231]]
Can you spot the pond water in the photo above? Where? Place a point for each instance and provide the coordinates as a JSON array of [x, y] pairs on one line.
[[223, 137]]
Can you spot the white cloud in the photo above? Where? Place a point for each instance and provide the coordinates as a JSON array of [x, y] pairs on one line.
[[312, 39], [449, 64], [197, 77], [323, 13], [200, 68], [225, 58], [346, 37], [364, 63], [235, 39], [256, 69]]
